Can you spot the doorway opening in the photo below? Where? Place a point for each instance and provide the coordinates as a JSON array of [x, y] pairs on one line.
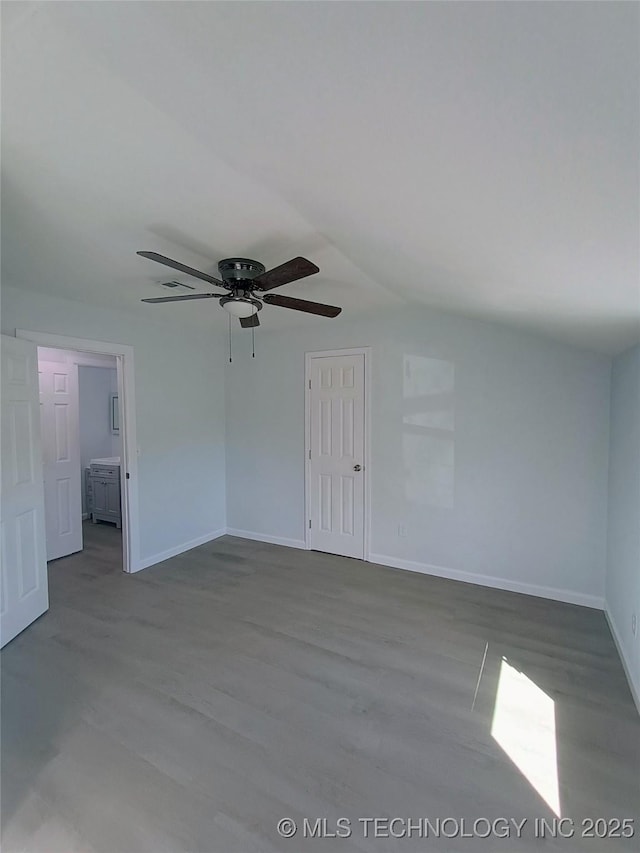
[[81, 449], [89, 457]]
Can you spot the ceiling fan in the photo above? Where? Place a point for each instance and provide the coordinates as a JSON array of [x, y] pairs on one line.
[[245, 281]]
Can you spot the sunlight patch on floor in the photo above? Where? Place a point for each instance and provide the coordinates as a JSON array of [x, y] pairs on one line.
[[524, 725]]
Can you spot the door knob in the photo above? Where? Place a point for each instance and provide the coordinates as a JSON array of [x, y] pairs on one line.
[[357, 467]]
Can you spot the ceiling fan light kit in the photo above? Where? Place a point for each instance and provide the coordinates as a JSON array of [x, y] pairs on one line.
[[240, 306], [245, 280]]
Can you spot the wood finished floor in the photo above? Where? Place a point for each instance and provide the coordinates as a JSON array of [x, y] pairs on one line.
[[192, 706]]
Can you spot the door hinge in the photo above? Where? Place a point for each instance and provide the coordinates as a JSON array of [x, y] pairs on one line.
[[127, 476], [309, 383], [309, 524], [309, 453]]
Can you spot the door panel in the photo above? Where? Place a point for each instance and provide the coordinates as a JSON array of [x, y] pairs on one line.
[[113, 496], [337, 447], [63, 502], [23, 568], [99, 496], [347, 505], [61, 458]]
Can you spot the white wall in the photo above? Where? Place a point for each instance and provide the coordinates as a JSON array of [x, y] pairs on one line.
[[86, 359], [116, 445], [507, 481], [96, 438], [623, 551], [179, 376]]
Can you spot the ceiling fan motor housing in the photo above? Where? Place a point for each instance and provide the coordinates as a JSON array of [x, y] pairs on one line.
[[239, 270]]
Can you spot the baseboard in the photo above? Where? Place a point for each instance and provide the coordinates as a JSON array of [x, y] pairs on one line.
[[564, 595], [634, 688], [180, 549], [86, 516], [263, 537]]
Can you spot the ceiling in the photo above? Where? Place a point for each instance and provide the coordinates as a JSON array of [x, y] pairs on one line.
[[477, 157]]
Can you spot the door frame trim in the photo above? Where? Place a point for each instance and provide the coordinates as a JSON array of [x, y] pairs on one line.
[[126, 390], [308, 356]]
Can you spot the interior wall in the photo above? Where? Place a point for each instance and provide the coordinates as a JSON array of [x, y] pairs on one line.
[[180, 420], [489, 447], [623, 547], [86, 359], [96, 439], [116, 443]]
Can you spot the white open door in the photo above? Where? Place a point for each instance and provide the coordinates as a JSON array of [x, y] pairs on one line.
[[60, 422], [24, 593], [336, 455]]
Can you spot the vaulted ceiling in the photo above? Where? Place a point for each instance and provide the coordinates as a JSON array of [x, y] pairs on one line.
[[477, 157]]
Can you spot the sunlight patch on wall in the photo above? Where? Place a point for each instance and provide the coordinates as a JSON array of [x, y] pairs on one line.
[[428, 462], [428, 430], [524, 725]]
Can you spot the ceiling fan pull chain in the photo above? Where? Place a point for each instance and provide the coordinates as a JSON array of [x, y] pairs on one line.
[[230, 358]]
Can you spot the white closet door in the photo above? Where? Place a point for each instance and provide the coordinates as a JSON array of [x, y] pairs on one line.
[[337, 455], [61, 446], [24, 593]]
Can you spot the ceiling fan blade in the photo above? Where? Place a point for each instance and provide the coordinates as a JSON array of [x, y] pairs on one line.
[[302, 305], [176, 265], [250, 322], [181, 298], [290, 271]]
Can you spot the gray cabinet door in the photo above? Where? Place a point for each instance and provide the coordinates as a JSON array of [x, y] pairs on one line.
[[106, 497], [99, 495], [112, 497]]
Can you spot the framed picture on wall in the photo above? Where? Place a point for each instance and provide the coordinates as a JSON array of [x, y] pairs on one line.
[[114, 413]]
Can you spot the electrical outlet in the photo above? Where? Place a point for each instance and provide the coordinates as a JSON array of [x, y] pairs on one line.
[[634, 624], [402, 530]]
